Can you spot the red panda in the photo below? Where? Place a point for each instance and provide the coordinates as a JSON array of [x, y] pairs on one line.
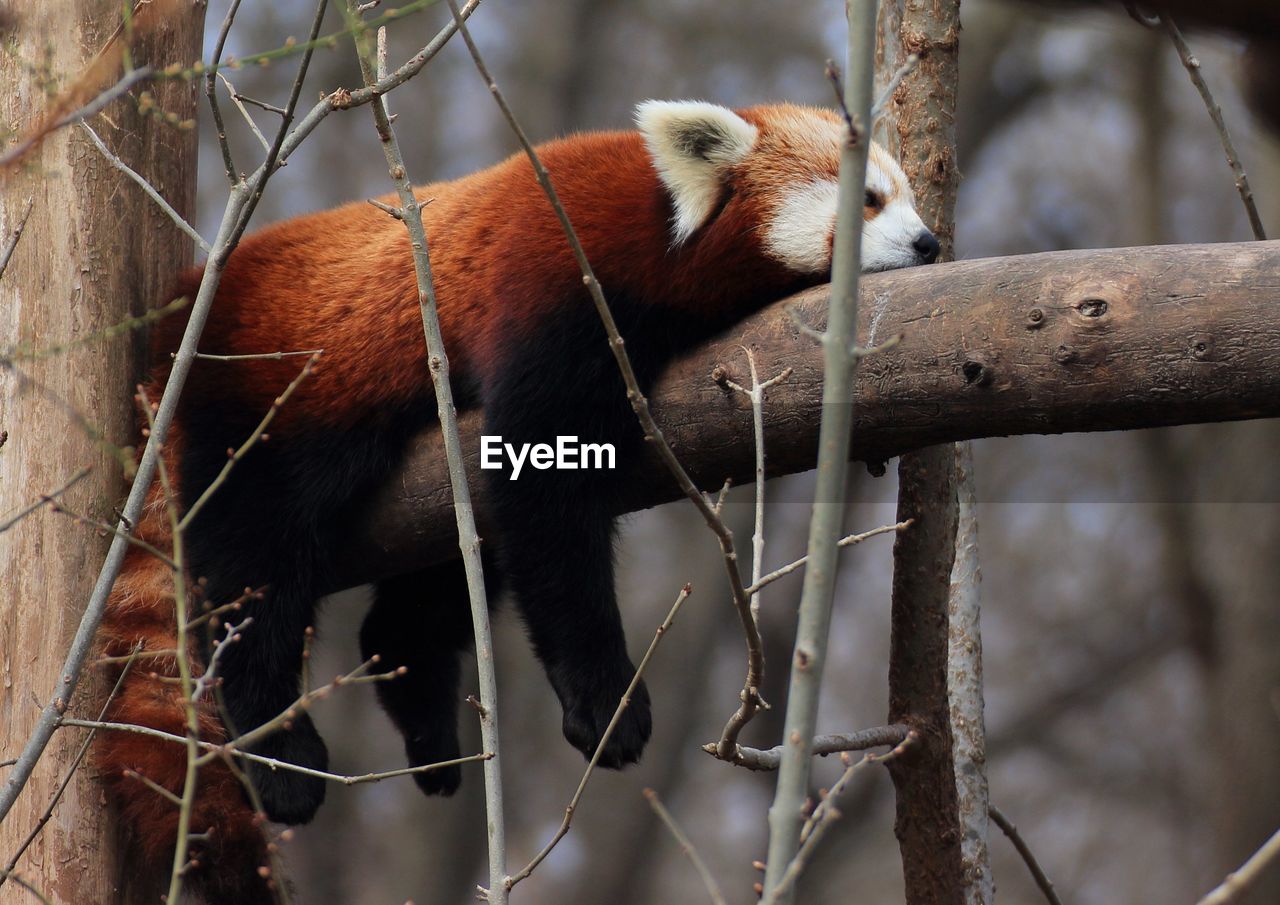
[[697, 219]]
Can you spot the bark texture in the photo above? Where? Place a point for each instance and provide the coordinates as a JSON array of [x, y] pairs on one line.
[[1064, 341], [95, 251]]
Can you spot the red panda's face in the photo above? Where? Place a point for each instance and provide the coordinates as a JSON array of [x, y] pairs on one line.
[[780, 163]]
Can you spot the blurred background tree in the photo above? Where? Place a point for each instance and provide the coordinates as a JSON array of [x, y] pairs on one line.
[[1130, 580]]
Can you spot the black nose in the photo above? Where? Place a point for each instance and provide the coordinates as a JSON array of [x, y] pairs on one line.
[[926, 247]]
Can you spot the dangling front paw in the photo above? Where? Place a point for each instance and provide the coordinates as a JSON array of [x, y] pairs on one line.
[[287, 795], [587, 716], [431, 746]]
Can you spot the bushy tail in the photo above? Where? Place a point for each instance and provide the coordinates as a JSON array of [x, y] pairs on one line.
[[229, 849]]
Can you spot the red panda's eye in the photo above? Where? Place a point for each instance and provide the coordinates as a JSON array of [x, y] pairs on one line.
[[873, 200]]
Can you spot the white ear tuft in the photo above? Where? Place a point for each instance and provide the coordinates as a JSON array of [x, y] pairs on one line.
[[691, 143]]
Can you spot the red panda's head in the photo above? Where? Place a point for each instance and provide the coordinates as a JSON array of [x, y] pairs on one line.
[[782, 162]]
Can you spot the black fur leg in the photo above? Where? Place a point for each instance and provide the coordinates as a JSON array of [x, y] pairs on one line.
[[557, 525], [422, 621], [562, 572], [269, 527], [260, 682], [289, 796]]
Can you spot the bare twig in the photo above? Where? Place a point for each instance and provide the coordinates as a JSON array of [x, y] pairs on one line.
[[751, 701], [1192, 66], [270, 108], [127, 81], [253, 126], [343, 99], [823, 816], [154, 786], [257, 434], [43, 899], [756, 396], [211, 92], [848, 540], [231, 635], [686, 846], [259, 356], [818, 594], [604, 740], [1007, 827], [108, 528], [464, 512], [186, 802], [757, 759], [147, 187], [45, 499], [894, 81], [67, 777], [14, 237], [1240, 879]]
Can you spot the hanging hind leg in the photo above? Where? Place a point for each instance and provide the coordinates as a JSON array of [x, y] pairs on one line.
[[422, 621]]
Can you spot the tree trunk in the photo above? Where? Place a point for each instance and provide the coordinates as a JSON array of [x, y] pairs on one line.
[[94, 252]]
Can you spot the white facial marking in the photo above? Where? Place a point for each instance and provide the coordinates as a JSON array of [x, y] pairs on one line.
[[800, 234], [691, 143], [888, 238]]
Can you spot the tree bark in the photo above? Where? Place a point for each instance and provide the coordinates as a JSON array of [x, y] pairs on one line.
[[95, 251], [1108, 339], [930, 823]]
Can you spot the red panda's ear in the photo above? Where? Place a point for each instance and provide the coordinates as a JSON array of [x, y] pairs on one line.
[[691, 143]]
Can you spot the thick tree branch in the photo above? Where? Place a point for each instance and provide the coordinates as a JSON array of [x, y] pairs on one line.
[[1107, 339]]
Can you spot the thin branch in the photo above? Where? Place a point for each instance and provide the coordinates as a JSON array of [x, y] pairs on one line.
[[757, 759], [127, 81], [44, 900], [822, 818], [1240, 879], [253, 126], [1192, 66], [604, 739], [358, 676], [274, 159], [147, 187], [751, 701], [270, 108], [28, 352], [464, 512], [186, 803], [211, 92], [14, 237], [108, 528], [259, 356], [756, 396], [818, 594], [1007, 827], [154, 787], [231, 635], [847, 541], [230, 749], [342, 99], [686, 846], [67, 777], [44, 500], [887, 94], [258, 433]]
